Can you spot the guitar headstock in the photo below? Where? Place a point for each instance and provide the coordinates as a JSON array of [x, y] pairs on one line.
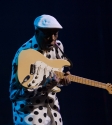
[[109, 88]]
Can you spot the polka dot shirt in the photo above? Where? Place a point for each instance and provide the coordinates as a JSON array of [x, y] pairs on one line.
[[30, 108]]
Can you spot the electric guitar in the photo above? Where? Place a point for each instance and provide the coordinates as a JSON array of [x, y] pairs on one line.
[[34, 68]]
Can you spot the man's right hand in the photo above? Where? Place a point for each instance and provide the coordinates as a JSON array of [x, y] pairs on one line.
[[51, 82]]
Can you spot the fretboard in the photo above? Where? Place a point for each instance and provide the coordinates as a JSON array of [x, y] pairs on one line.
[[82, 80]]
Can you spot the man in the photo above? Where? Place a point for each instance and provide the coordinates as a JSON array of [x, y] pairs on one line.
[[38, 106]]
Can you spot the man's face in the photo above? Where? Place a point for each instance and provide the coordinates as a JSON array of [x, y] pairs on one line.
[[46, 38]]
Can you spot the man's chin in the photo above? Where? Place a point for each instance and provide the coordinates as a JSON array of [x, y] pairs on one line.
[[50, 47]]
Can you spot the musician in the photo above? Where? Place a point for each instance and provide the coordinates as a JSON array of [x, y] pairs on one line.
[[38, 106]]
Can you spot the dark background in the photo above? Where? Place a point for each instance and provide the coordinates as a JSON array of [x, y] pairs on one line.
[[87, 39]]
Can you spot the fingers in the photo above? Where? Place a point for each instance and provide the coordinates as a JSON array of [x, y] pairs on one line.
[[65, 81], [51, 84], [66, 73], [53, 80]]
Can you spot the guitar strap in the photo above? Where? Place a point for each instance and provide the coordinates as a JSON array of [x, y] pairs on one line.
[[64, 55]]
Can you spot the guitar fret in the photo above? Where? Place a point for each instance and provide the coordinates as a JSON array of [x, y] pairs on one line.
[[75, 78], [96, 84], [83, 80], [100, 84], [79, 79], [103, 85], [92, 82], [87, 81], [72, 79]]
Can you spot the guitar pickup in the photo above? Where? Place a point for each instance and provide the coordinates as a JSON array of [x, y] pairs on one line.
[[32, 69]]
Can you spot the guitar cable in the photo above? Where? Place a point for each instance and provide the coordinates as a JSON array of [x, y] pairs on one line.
[[64, 55]]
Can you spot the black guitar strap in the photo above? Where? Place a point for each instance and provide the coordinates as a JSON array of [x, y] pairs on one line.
[[64, 55]]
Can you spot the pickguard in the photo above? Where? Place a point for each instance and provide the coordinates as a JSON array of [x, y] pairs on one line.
[[42, 70]]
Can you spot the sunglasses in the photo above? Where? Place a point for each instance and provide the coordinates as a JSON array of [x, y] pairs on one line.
[[48, 32]]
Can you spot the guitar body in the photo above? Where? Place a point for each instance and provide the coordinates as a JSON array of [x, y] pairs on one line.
[[43, 66]]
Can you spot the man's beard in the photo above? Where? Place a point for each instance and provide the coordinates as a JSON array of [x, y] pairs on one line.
[[49, 46]]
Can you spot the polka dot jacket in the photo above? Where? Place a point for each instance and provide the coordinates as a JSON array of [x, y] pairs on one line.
[[31, 107]]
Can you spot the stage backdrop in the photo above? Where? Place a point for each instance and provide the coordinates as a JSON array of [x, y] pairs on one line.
[[87, 40]]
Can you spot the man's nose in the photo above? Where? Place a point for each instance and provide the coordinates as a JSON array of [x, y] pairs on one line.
[[52, 37]]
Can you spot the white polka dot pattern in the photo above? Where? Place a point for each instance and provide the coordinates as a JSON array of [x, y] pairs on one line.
[[30, 107]]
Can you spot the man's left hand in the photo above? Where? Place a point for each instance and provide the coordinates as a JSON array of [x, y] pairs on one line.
[[65, 81]]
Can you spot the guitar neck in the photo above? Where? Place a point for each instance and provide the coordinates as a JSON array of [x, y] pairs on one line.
[[82, 80]]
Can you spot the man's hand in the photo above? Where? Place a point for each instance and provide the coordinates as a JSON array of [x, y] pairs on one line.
[[65, 81], [53, 81]]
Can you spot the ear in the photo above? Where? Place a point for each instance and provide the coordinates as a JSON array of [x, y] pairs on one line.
[[36, 32]]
